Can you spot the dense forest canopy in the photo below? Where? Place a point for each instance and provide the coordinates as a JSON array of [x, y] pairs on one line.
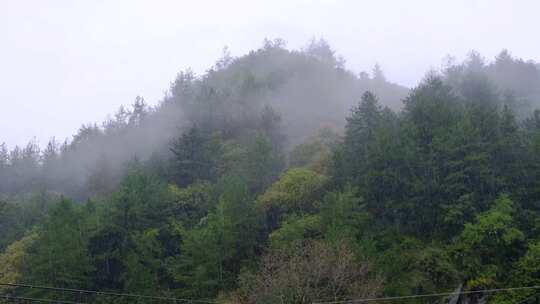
[[282, 177]]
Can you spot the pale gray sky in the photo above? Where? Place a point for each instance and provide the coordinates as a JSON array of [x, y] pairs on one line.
[[64, 63]]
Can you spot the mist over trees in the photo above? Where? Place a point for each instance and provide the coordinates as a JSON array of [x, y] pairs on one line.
[[513, 81], [272, 90], [282, 177]]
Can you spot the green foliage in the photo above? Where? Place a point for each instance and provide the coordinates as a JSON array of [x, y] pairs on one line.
[[135, 213], [396, 258], [143, 263], [343, 216], [490, 244], [141, 200], [192, 203], [196, 156], [411, 267], [359, 137], [524, 272], [255, 159], [20, 213], [307, 154], [11, 227], [296, 192], [316, 152], [59, 256], [296, 229], [219, 212], [262, 164], [214, 252], [12, 260]]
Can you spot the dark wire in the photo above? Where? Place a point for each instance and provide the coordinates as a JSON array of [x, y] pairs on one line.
[[427, 295], [37, 300], [102, 293]]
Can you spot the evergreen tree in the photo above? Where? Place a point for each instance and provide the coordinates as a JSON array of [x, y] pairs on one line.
[[59, 256], [195, 157], [359, 137], [215, 252]]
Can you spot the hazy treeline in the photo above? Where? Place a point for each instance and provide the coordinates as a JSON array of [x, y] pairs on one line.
[[281, 177], [306, 89], [509, 80]]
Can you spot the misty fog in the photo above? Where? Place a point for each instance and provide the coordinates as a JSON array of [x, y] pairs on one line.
[[352, 169], [308, 89]]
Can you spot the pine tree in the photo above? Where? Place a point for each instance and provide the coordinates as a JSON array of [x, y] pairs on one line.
[[214, 253], [60, 257], [195, 157], [360, 133]]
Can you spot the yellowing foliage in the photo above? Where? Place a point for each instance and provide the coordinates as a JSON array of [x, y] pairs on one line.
[[12, 259], [296, 190]]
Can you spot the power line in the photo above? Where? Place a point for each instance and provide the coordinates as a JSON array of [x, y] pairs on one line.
[[213, 302], [103, 293], [427, 295], [36, 300]]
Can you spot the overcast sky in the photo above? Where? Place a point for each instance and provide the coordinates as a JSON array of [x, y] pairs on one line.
[[64, 63]]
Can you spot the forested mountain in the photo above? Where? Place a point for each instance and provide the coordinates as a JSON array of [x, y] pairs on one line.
[[282, 177], [302, 90]]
